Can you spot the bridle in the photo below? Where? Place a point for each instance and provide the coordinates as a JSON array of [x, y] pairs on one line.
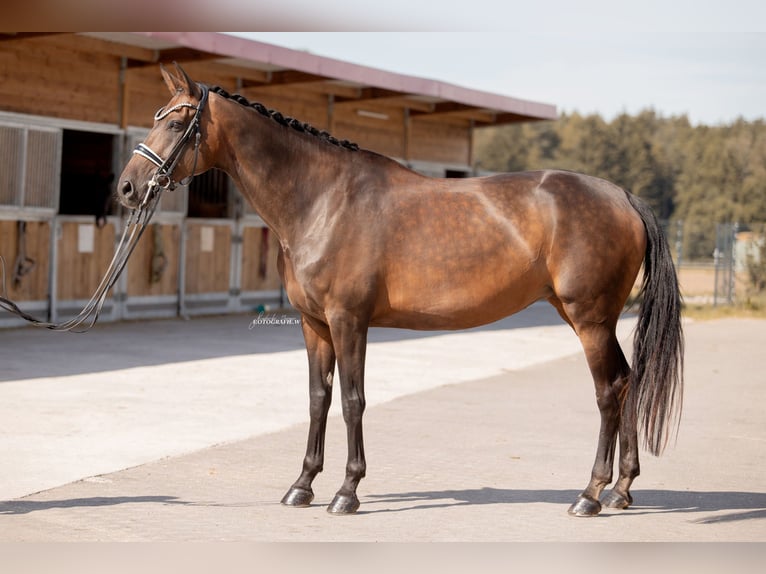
[[135, 225], [163, 177]]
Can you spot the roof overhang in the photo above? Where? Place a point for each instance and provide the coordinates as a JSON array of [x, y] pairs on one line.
[[257, 64]]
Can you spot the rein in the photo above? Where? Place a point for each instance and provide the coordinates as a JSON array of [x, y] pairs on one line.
[[134, 228], [136, 223]]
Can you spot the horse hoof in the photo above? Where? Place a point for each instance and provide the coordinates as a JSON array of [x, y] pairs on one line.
[[298, 497], [344, 504], [614, 499], [585, 506]]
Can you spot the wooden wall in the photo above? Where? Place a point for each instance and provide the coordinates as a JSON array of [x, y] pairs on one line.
[[146, 273], [208, 255], [259, 243], [81, 264], [33, 285], [386, 136], [56, 76], [441, 141], [306, 106]]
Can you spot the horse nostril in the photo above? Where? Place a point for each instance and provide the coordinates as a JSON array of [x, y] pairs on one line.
[[126, 188]]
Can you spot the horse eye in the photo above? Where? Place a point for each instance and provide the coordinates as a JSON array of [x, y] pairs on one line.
[[176, 126]]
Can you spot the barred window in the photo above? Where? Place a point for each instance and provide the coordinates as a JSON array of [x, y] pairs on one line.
[[30, 159]]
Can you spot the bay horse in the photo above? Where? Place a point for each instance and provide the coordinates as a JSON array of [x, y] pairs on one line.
[[365, 241]]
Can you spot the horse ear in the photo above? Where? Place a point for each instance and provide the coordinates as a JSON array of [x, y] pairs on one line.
[[170, 80], [189, 86], [180, 82]]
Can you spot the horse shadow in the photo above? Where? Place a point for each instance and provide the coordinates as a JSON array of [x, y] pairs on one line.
[[707, 505], [18, 507], [741, 506]]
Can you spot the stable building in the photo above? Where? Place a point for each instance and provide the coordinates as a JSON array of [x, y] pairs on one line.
[[74, 105]]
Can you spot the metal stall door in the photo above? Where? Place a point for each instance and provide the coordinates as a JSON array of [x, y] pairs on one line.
[[29, 186]]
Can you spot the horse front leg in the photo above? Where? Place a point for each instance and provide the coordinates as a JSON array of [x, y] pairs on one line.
[[349, 335], [321, 357]]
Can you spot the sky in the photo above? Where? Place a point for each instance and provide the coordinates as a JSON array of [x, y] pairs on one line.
[[709, 65]]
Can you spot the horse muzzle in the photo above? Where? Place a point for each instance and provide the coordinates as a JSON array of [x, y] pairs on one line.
[[133, 196]]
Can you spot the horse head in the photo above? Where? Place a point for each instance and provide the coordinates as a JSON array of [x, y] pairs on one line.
[[173, 151]]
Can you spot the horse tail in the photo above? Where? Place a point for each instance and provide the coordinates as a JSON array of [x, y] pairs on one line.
[[655, 394]]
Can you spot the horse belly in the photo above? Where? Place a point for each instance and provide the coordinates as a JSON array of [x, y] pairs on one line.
[[455, 291]]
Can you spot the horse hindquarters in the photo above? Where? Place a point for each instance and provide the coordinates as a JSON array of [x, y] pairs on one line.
[[596, 252], [647, 397]]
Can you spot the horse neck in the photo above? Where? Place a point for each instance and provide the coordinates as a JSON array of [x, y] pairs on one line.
[[279, 170]]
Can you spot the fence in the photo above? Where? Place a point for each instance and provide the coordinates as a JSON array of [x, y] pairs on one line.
[[719, 269]]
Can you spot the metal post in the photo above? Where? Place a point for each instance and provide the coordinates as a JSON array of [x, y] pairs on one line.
[[679, 242], [716, 265], [733, 262]]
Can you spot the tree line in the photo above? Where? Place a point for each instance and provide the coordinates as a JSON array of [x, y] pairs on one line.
[[696, 174]]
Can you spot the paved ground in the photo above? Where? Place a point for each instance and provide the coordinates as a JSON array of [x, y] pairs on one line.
[[458, 448]]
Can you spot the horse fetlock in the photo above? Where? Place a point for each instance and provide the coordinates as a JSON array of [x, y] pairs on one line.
[[313, 465], [356, 470]]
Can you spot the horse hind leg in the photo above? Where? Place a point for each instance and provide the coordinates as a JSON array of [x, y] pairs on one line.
[[611, 374], [629, 467]]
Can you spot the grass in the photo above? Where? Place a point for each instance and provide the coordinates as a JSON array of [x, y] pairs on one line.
[[752, 307]]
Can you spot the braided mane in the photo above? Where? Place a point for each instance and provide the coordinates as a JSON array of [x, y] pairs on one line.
[[286, 121]]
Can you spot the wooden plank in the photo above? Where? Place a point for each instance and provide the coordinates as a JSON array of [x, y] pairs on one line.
[[324, 88], [37, 77], [80, 271], [208, 254], [203, 71], [385, 135], [244, 73], [20, 36], [112, 48], [141, 105], [34, 284], [59, 63], [307, 107], [440, 141], [147, 274], [260, 248]]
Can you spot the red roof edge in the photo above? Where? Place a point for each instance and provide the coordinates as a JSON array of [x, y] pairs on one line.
[[237, 47]]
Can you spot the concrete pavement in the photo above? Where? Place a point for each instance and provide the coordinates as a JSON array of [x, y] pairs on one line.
[[471, 448]]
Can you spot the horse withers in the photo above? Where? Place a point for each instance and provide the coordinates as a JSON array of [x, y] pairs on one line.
[[364, 241]]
